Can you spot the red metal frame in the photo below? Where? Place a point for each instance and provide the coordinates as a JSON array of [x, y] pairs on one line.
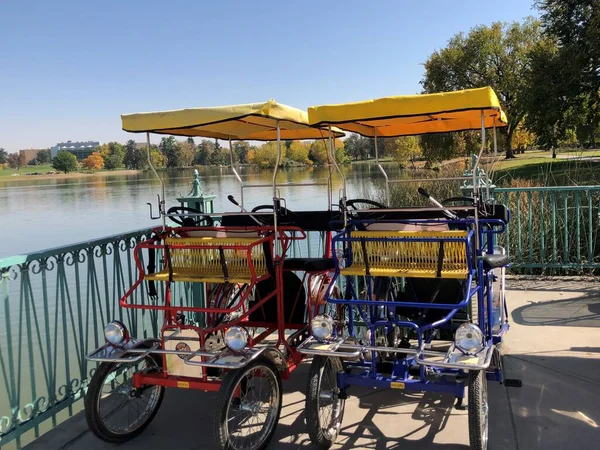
[[286, 235]]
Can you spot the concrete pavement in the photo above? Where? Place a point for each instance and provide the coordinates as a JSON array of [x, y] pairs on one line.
[[553, 346]]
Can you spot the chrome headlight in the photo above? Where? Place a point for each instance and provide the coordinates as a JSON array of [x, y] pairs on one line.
[[115, 333], [469, 338], [236, 338], [322, 326]]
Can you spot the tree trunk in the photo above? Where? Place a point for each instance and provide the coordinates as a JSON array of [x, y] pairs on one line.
[[509, 137]]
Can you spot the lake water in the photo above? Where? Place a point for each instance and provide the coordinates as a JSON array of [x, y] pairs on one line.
[[49, 213]]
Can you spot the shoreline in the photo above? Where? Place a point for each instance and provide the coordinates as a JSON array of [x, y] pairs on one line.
[[25, 178]]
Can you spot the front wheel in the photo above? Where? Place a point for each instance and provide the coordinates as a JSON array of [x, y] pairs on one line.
[[324, 407], [116, 411], [248, 407], [478, 410]]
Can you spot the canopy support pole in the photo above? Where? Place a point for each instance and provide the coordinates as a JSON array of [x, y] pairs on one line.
[[237, 175], [276, 201], [475, 180], [330, 176], [161, 201], [387, 180], [339, 171]]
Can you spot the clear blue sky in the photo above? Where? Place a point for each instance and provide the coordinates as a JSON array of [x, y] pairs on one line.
[[69, 68]]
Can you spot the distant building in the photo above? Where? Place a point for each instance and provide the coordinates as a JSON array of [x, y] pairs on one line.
[[80, 149], [29, 154]]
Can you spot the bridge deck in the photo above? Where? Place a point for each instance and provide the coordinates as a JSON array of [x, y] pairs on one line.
[[553, 346]]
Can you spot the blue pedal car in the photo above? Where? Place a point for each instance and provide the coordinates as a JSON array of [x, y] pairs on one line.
[[422, 307]]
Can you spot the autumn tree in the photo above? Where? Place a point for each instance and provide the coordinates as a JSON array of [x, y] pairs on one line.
[[113, 154], [298, 152], [318, 151], [407, 148], [16, 160], [265, 156], [65, 161], [496, 56], [93, 162]]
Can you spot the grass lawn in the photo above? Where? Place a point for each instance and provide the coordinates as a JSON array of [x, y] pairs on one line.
[[548, 172], [7, 172]]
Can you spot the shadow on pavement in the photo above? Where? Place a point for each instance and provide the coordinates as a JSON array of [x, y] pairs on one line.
[[582, 311]]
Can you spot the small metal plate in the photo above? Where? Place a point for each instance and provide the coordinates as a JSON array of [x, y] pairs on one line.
[[397, 385]]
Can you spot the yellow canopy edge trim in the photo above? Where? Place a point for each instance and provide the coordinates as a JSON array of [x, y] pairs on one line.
[[253, 121], [414, 114]]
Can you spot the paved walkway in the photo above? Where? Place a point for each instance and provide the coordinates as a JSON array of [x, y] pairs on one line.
[[553, 346]]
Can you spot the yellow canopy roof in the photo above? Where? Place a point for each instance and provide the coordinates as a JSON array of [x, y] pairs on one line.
[[254, 121], [414, 114]]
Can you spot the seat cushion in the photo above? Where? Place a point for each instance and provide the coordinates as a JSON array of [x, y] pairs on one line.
[[494, 261]]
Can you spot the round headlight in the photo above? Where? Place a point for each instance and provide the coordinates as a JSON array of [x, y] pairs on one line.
[[469, 338], [322, 326], [115, 333], [236, 338]]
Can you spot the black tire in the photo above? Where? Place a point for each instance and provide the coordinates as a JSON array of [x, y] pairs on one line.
[[323, 436], [94, 396], [226, 401], [478, 410]]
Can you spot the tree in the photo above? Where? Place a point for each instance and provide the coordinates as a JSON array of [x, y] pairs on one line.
[[3, 156], [135, 158], [186, 151], [408, 148], [298, 152], [567, 70], [16, 160], [357, 147], [203, 152], [496, 56], [318, 151], [113, 154], [65, 161], [240, 151], [265, 156], [168, 147], [157, 158], [43, 157], [93, 162]]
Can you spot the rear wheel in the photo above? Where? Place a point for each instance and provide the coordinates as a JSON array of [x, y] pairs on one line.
[[478, 410], [116, 411], [324, 407], [248, 407]]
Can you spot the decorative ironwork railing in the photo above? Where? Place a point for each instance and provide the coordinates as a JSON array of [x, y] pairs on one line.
[[552, 229], [54, 305]]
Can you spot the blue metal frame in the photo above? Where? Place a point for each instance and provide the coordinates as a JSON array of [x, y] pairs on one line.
[[443, 380]]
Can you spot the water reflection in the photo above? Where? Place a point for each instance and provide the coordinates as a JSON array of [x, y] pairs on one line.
[[54, 212]]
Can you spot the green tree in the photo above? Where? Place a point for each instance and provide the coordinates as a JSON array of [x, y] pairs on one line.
[[3, 156], [169, 147], [357, 147], [573, 29], [240, 151], [65, 161], [135, 158], [203, 152], [496, 56], [318, 152], [218, 156], [43, 157]]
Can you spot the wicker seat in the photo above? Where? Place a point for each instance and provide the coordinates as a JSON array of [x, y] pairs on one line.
[[213, 260], [411, 254]]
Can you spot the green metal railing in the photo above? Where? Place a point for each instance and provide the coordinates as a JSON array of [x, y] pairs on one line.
[[54, 305], [552, 229]]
